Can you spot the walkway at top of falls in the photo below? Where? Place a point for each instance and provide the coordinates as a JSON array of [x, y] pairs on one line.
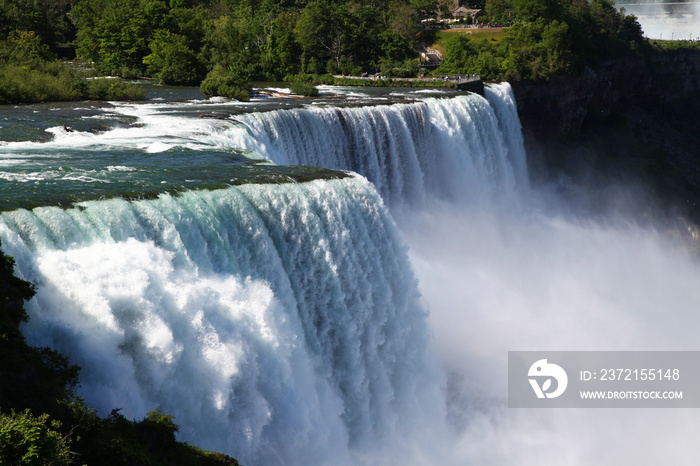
[[465, 82]]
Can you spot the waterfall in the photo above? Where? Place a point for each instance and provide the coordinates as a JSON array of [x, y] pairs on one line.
[[467, 147], [277, 323]]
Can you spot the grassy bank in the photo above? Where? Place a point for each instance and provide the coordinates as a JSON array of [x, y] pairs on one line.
[[494, 35]]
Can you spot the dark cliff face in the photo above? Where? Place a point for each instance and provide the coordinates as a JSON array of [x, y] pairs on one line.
[[632, 119], [558, 107]]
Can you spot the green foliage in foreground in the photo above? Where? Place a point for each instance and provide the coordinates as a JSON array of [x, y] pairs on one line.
[[42, 422], [116, 441], [29, 440]]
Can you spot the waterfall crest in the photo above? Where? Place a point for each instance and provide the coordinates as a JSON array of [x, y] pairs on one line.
[[467, 147]]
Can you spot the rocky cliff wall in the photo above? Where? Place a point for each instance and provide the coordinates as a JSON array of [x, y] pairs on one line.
[[635, 120], [559, 107]]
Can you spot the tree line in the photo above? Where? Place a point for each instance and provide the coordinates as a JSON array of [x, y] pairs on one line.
[[225, 44]]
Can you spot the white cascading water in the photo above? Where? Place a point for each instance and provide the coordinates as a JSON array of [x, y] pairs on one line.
[[277, 323], [466, 148]]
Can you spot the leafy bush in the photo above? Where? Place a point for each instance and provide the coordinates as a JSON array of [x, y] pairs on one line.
[[343, 66], [395, 69], [113, 89], [225, 83], [305, 89], [56, 83], [23, 84], [327, 79], [300, 78], [29, 440], [28, 74]]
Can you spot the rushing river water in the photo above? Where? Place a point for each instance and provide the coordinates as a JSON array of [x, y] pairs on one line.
[[334, 280]]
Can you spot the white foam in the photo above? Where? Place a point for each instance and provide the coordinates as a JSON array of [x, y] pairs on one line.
[[278, 323]]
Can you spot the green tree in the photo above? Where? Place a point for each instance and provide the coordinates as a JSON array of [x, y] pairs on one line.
[[537, 50], [172, 60], [424, 8], [459, 55], [500, 10], [556, 46], [531, 10], [46, 18], [605, 16], [32, 441], [630, 29], [116, 34], [323, 30], [236, 45], [398, 40], [279, 55]]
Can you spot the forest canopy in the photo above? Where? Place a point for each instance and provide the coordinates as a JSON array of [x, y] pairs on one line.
[[228, 43]]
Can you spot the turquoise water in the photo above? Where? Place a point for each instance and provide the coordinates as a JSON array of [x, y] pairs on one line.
[[61, 153]]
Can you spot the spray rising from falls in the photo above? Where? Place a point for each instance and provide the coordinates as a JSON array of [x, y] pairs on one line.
[[278, 323], [468, 147], [664, 20]]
